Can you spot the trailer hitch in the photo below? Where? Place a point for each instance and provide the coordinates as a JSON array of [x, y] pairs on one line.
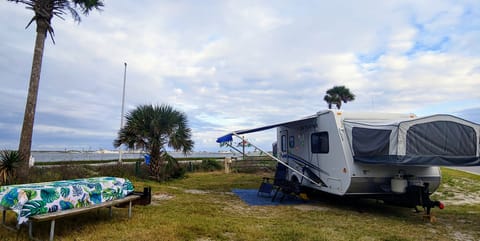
[[428, 204]]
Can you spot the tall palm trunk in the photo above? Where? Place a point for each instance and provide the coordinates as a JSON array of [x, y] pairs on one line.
[[29, 117]]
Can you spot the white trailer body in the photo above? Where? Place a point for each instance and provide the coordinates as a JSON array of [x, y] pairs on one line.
[[372, 154]]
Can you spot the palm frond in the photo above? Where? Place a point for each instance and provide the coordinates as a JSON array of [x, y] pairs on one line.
[[44, 11], [337, 95]]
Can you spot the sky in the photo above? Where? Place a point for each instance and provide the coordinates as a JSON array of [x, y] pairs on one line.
[[231, 65]]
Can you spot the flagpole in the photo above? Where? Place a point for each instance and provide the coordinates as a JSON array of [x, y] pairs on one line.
[[123, 106]]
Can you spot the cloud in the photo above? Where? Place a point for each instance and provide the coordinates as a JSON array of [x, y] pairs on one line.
[[238, 64]]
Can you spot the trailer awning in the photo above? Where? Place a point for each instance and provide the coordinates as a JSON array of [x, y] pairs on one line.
[[300, 122]]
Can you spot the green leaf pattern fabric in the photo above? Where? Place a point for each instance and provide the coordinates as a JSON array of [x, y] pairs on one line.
[[49, 195], [31, 194], [64, 192], [38, 198], [33, 207], [65, 205], [10, 198]]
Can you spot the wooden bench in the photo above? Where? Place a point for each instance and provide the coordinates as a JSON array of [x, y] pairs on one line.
[[74, 211]]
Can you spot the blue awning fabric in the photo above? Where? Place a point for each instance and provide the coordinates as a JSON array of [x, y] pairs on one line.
[[228, 137], [225, 138]]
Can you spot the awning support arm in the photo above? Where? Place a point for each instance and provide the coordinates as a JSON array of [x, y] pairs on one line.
[[234, 148], [280, 161]]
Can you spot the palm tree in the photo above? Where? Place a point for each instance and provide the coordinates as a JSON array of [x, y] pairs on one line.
[[331, 100], [44, 11], [154, 128], [337, 95], [9, 161]]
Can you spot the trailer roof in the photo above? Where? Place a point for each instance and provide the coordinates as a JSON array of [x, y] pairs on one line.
[[303, 121], [228, 137]]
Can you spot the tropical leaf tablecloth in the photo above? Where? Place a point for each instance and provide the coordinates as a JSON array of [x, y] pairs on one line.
[[36, 198]]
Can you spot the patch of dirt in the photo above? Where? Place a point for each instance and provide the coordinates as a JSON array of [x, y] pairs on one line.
[[162, 196], [462, 236], [458, 194], [158, 197], [176, 188], [195, 191], [459, 236], [462, 198]]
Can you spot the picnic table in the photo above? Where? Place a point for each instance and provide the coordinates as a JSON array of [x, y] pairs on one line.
[[32, 199]]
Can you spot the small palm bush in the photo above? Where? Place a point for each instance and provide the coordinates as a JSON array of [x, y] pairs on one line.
[[156, 129], [172, 168], [210, 165], [9, 161]]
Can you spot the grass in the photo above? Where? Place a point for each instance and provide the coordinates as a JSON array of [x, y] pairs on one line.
[[458, 188], [201, 207], [458, 182]]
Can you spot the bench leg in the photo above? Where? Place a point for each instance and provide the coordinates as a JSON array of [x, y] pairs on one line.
[[52, 229], [130, 209], [30, 230], [4, 223], [110, 210]]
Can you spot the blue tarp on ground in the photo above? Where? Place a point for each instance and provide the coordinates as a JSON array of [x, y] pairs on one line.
[[250, 197]]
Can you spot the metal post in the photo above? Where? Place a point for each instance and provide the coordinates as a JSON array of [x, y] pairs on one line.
[[3, 216], [243, 148], [52, 229], [130, 209], [30, 229], [123, 106]]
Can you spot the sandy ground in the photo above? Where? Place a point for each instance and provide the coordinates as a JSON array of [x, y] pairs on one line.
[[461, 197]]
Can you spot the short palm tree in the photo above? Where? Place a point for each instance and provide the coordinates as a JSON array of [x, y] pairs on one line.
[[337, 95], [44, 11], [154, 128], [9, 161]]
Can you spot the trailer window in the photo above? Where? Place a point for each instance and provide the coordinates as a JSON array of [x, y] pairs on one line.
[[284, 143], [319, 142]]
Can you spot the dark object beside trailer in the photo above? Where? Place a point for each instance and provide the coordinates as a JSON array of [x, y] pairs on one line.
[[145, 197]]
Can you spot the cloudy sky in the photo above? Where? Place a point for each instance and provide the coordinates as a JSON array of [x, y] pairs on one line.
[[237, 64]]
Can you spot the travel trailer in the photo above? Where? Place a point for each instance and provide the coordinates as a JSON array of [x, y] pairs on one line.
[[392, 157]]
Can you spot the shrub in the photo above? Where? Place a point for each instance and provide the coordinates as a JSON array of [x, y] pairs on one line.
[[173, 169], [9, 162], [210, 165], [60, 172]]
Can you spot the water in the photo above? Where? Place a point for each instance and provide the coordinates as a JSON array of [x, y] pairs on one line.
[[52, 156]]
